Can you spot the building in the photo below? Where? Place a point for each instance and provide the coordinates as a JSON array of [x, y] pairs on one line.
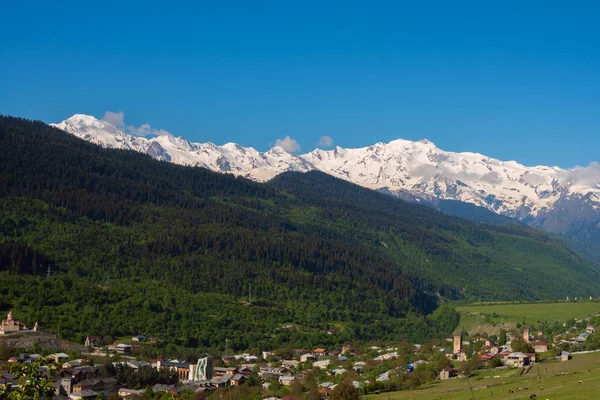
[[457, 344], [10, 325], [94, 341], [123, 392], [202, 371], [590, 329], [307, 357], [286, 380], [565, 356], [320, 352], [517, 360], [540, 346], [448, 373], [182, 368], [84, 394], [58, 358], [237, 379], [321, 364], [526, 335]]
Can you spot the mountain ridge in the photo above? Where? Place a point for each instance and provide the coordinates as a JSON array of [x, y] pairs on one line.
[[139, 245], [561, 201]]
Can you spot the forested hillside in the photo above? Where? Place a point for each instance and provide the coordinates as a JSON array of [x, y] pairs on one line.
[[138, 246]]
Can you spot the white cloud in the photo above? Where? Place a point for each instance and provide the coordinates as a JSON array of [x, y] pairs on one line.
[[326, 141], [288, 144], [115, 118], [589, 175], [118, 120]]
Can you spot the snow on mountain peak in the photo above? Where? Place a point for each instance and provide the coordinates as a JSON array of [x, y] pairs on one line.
[[421, 168]]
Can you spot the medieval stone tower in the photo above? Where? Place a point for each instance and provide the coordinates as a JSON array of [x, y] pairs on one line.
[[526, 335], [457, 344]]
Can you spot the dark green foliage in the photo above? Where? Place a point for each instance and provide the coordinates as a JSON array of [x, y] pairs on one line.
[[518, 344], [484, 262], [137, 246], [345, 391], [142, 377]]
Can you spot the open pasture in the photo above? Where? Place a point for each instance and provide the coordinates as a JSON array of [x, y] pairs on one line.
[[577, 379], [534, 312]]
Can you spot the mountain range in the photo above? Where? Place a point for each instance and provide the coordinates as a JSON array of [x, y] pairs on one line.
[[560, 201], [101, 241]]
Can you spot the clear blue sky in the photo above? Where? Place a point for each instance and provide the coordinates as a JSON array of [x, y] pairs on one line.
[[510, 80]]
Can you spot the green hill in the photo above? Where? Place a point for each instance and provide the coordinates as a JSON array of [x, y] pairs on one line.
[[140, 246]]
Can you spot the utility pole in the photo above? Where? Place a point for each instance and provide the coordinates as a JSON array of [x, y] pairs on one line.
[[226, 345], [250, 294], [48, 273]]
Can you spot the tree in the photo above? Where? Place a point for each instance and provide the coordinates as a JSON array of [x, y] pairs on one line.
[[34, 383], [471, 366], [518, 344], [502, 338], [345, 391]]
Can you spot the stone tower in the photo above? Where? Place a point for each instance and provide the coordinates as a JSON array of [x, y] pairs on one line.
[[457, 344], [526, 335]]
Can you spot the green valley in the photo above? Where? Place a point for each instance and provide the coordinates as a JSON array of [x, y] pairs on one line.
[[108, 242]]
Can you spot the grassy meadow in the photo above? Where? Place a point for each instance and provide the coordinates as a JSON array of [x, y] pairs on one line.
[[490, 317], [576, 379]]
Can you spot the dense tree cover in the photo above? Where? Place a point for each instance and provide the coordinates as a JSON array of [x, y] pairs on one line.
[[140, 246], [485, 262], [141, 378]]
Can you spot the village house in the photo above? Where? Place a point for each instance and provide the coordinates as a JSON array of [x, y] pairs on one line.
[[492, 349], [387, 356], [448, 373], [307, 357], [540, 346], [320, 352], [164, 388], [286, 380], [565, 356], [267, 354], [96, 385], [290, 363], [321, 364], [461, 355], [84, 395], [238, 379], [517, 360], [124, 392], [221, 381], [222, 371], [58, 358], [590, 329]]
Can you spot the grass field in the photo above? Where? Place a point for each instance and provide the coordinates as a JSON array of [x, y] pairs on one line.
[[551, 380], [491, 317], [534, 312]]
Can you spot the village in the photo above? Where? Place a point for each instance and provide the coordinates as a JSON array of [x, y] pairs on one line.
[[114, 371]]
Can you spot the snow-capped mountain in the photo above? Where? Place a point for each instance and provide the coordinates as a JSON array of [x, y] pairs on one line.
[[550, 198]]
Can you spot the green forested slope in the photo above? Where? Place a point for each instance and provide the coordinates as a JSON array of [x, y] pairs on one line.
[[484, 262], [140, 246]]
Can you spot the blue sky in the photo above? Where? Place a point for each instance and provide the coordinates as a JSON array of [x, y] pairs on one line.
[[509, 80]]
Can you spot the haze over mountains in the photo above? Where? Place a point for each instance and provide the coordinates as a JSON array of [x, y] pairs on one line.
[[562, 201]]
